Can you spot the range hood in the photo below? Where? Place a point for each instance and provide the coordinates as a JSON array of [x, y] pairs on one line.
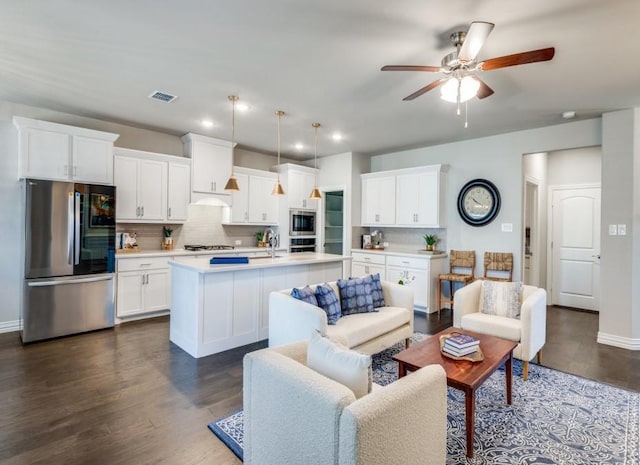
[[214, 200]]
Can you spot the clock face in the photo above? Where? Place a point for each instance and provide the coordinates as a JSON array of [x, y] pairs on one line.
[[478, 202]]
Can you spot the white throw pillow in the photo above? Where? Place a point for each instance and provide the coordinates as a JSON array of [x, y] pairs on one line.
[[342, 365], [501, 298]]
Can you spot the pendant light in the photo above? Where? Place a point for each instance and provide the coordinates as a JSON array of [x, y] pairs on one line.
[[315, 193], [232, 183], [277, 189]]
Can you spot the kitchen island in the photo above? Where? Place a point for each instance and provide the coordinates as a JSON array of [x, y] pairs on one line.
[[219, 307]]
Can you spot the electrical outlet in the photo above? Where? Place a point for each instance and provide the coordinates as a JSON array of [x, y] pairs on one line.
[[507, 227], [622, 230], [613, 230], [238, 242], [385, 244]]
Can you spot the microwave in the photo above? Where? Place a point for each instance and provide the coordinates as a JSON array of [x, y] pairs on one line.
[[302, 223]]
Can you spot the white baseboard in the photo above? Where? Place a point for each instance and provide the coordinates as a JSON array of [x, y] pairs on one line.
[[618, 341], [9, 326]]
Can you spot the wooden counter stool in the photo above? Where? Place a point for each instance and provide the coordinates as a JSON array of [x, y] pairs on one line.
[[498, 266], [458, 259]]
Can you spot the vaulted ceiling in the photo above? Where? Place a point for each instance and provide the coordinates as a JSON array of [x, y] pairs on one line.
[[317, 61]]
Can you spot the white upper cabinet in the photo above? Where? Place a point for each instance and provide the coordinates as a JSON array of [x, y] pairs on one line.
[[299, 186], [378, 200], [178, 191], [418, 200], [211, 163], [64, 153], [253, 204], [151, 187]]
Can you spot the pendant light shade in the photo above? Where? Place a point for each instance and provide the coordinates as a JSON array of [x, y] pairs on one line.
[[232, 183], [315, 193], [277, 189]]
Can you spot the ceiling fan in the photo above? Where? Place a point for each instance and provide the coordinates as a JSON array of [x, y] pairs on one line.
[[461, 81]]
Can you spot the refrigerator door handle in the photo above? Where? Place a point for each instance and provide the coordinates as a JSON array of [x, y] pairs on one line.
[[77, 229], [70, 228], [68, 281]]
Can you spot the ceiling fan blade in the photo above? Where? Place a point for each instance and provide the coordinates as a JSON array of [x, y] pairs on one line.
[[484, 91], [425, 89], [430, 69], [473, 42], [533, 56]]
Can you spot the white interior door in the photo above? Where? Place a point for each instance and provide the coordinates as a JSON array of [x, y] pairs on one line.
[[576, 247]]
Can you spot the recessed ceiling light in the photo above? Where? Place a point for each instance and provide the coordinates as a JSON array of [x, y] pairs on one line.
[[336, 136], [207, 123], [242, 106], [569, 114], [299, 146]]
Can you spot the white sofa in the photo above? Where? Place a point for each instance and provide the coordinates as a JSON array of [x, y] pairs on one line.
[[530, 330], [294, 415], [292, 320]]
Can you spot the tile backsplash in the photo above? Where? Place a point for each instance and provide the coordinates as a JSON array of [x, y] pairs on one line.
[[203, 227], [409, 239]]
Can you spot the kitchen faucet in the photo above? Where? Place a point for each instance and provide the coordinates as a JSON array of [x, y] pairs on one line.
[[270, 236]]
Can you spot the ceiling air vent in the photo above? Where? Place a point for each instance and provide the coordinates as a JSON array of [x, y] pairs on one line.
[[162, 96]]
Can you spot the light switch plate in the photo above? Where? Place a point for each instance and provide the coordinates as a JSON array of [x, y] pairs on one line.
[[622, 230], [613, 230], [238, 242], [507, 227]]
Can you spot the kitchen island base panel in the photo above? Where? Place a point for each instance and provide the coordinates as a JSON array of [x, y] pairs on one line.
[[213, 312]]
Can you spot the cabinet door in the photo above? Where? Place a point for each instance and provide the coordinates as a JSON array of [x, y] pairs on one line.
[[417, 279], [156, 290], [240, 200], [211, 167], [126, 181], [407, 199], [129, 299], [263, 207], [362, 269], [299, 186], [378, 201], [92, 160], [152, 190], [178, 192], [44, 154], [429, 199]]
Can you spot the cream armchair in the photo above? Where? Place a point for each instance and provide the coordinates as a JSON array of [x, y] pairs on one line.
[[295, 415], [530, 330]]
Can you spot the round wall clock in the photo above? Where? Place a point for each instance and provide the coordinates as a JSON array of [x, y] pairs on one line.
[[478, 202]]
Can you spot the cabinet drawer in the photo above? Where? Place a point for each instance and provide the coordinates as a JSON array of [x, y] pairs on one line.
[[364, 257], [136, 264], [408, 262]]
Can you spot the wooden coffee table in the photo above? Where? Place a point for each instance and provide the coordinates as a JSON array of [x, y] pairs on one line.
[[461, 374]]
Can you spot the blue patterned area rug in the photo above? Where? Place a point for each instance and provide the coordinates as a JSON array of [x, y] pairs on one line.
[[556, 418]]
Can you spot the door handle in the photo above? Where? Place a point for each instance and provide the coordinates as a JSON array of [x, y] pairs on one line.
[[141, 211], [596, 256], [169, 214], [77, 228]]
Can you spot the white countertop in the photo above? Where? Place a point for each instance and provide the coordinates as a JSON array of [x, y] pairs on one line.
[[405, 253], [202, 265], [189, 253]]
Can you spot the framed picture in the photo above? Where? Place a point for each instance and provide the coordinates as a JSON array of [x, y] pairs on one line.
[[101, 211], [366, 241]]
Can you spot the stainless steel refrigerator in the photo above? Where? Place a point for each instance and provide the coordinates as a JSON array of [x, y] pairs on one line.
[[69, 259]]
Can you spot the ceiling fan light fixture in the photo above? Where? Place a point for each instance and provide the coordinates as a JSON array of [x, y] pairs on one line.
[[467, 87]]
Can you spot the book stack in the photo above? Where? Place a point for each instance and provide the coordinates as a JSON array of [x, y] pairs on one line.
[[460, 345]]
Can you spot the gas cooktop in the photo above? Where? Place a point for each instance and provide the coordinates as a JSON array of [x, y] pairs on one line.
[[208, 247]]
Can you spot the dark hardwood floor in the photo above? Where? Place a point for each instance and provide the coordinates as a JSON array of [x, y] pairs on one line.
[[128, 396]]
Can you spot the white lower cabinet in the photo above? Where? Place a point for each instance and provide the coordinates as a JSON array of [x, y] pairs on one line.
[[143, 286], [419, 272], [368, 263]]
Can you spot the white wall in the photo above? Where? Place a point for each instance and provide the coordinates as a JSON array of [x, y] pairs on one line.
[[576, 166], [499, 159]]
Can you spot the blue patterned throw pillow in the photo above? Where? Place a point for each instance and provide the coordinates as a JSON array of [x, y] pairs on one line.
[[355, 295], [305, 294], [328, 301]]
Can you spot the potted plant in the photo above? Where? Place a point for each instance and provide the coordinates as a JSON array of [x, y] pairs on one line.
[[260, 239], [167, 244], [430, 240]]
